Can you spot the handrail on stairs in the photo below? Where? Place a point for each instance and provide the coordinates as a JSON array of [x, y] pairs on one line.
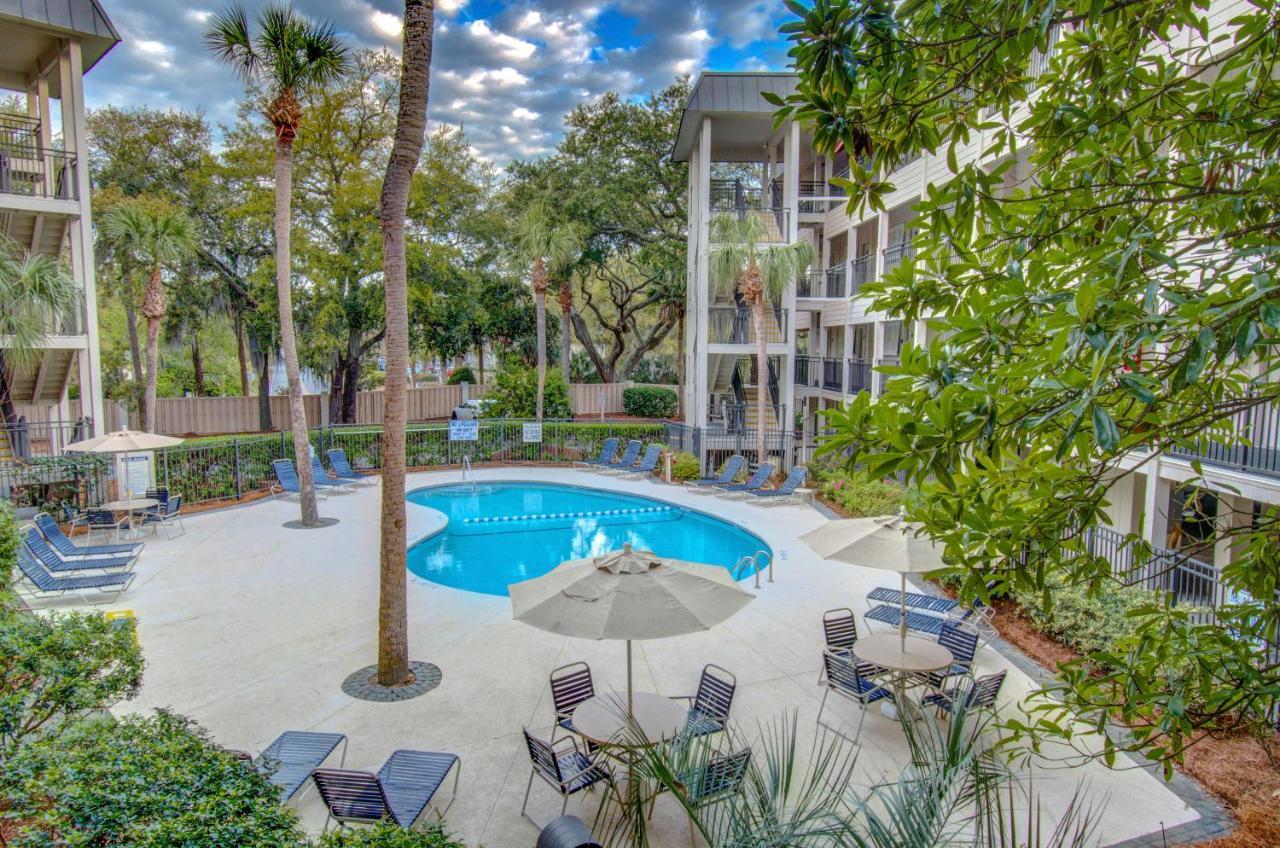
[[753, 562], [468, 474]]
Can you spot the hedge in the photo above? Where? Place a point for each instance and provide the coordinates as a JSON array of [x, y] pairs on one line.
[[650, 402], [463, 374]]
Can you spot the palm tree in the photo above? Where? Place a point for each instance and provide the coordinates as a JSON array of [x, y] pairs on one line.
[[154, 238], [566, 320], [33, 287], [287, 55], [552, 248], [742, 260]]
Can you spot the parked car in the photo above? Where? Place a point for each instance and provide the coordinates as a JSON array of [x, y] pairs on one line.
[[472, 409]]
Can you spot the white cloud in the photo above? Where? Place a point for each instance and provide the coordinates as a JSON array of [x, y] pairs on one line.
[[450, 7], [522, 114], [386, 23], [512, 48]]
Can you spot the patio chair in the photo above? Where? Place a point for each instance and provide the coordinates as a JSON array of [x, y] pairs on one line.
[[565, 768], [570, 685], [289, 760], [167, 514], [844, 678], [342, 468], [732, 466], [840, 633], [160, 494], [963, 644], [787, 491], [979, 694], [719, 780], [754, 482], [104, 520], [645, 467], [322, 478], [69, 550], [42, 584], [401, 791], [287, 477], [607, 452], [710, 705], [628, 458], [73, 516], [56, 564]]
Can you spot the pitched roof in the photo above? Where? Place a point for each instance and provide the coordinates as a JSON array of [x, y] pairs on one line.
[[728, 94], [83, 18]]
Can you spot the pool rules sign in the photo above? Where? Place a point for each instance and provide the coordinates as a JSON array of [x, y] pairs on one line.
[[464, 431], [532, 432]]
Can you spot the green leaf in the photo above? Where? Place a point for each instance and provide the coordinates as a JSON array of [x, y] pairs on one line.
[[1104, 429]]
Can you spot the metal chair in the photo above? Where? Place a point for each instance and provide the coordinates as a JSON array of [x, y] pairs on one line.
[[401, 791], [840, 630], [160, 494], [979, 694], [106, 521], [73, 516], [845, 678], [566, 769], [289, 760], [963, 644], [721, 779], [166, 514], [570, 685], [709, 710]]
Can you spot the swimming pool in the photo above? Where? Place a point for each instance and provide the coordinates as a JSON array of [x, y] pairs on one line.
[[502, 533]]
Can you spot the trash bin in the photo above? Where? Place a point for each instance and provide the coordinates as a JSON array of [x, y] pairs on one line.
[[566, 832]]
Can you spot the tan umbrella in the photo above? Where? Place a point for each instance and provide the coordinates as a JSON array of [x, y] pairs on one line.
[[888, 543], [628, 594], [123, 441]]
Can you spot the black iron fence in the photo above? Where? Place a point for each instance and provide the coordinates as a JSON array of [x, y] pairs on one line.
[[1257, 445], [37, 172], [861, 272], [27, 439], [811, 284], [833, 375], [809, 371], [47, 483], [1189, 581], [717, 444], [735, 325], [859, 376]]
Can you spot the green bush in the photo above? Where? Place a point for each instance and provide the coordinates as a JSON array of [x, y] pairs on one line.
[[650, 402], [1084, 621], [685, 467], [859, 496], [515, 393], [462, 374], [388, 836], [152, 782], [9, 541]]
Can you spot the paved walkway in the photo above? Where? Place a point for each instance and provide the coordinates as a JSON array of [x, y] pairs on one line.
[[250, 628]]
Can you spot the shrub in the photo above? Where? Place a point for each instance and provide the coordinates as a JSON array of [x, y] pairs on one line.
[[515, 393], [650, 402], [685, 467], [461, 374], [388, 836], [1084, 621], [9, 541], [861, 497], [141, 781]]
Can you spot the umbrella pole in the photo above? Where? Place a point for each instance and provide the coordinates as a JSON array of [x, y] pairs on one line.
[[902, 614], [629, 712]]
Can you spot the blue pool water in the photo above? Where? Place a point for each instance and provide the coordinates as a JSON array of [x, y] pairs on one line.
[[502, 533]]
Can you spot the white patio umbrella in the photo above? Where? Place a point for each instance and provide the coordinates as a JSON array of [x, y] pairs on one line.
[[123, 441], [628, 594], [888, 543]]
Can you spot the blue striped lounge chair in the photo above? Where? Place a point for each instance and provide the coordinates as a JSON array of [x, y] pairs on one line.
[[57, 564], [322, 478], [628, 458], [400, 792], [732, 466], [754, 482], [977, 617], [342, 468], [68, 549], [647, 463], [289, 760], [287, 478], [608, 451], [785, 492], [103, 588]]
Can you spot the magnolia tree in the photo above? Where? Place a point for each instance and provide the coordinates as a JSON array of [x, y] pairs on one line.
[[1101, 287]]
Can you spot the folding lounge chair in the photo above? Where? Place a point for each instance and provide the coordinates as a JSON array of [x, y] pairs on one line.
[[647, 463], [608, 451], [322, 478], [56, 564], [977, 617], [731, 468], [917, 600], [400, 792], [755, 481], [787, 491], [342, 467], [69, 550], [287, 477], [627, 459], [44, 585], [289, 760]]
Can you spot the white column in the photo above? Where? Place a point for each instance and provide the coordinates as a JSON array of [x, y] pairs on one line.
[[700, 279], [790, 200], [1155, 518]]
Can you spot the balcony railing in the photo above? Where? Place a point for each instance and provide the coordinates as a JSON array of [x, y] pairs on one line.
[[19, 131], [37, 172], [1258, 449], [896, 254], [862, 271], [1040, 61], [29, 439], [735, 325], [882, 379], [822, 284], [833, 375], [809, 371], [859, 376], [740, 417]]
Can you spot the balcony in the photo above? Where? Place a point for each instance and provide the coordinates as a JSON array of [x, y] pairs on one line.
[[828, 284], [736, 198], [862, 271], [833, 375], [881, 378], [809, 371], [30, 170], [1258, 452], [859, 376], [735, 325], [896, 254]]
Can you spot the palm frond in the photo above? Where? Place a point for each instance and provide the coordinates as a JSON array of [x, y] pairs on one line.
[[34, 287], [227, 36]]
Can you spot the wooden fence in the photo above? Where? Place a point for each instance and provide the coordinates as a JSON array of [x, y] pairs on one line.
[[206, 416]]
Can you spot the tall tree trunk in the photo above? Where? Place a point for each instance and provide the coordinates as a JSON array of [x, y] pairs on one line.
[[336, 375], [762, 377], [135, 352], [8, 411], [480, 363], [288, 341], [540, 311], [566, 338], [262, 364], [241, 358], [411, 125], [351, 382], [153, 311], [197, 364]]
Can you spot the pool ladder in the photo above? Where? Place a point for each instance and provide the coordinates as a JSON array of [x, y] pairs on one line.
[[757, 562], [468, 475]]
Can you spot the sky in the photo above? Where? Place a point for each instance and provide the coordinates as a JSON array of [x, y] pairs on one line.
[[505, 71]]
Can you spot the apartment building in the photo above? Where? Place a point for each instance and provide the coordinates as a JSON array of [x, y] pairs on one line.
[[825, 342], [44, 205]]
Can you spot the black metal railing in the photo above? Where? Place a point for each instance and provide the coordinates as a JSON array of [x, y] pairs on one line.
[[809, 371], [1190, 581], [835, 282], [861, 272], [27, 439], [734, 417], [1257, 448], [881, 378], [896, 254], [833, 375], [735, 325], [19, 131], [734, 195], [1040, 61], [37, 172], [717, 444], [859, 376], [811, 284], [47, 483]]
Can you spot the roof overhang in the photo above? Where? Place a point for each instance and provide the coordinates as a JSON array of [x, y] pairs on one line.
[[744, 119], [28, 30]]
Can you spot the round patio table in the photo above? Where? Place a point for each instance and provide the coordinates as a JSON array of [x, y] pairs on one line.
[[904, 659], [130, 505], [603, 719]]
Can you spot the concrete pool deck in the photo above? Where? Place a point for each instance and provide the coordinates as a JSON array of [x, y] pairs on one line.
[[250, 628]]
